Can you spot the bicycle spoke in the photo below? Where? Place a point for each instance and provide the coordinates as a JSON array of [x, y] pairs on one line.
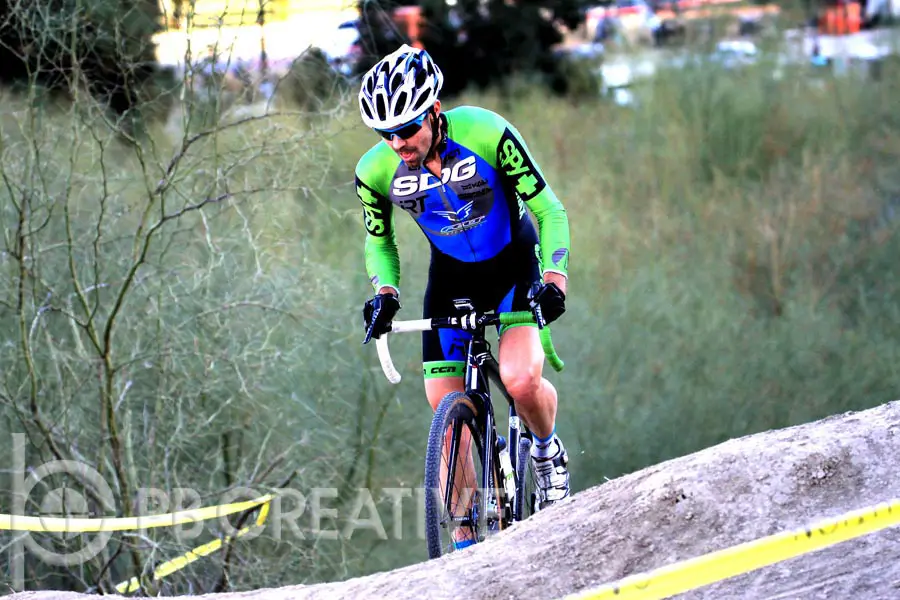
[[460, 483]]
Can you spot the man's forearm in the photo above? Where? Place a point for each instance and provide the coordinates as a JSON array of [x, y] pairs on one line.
[[559, 279]]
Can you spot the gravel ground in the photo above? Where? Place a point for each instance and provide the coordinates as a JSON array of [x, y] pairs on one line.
[[735, 492]]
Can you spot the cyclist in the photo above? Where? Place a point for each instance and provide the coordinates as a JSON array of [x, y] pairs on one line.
[[466, 177]]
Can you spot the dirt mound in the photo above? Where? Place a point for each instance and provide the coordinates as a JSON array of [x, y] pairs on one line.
[[735, 492]]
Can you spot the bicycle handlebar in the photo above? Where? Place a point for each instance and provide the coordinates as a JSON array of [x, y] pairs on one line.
[[466, 322], [522, 317]]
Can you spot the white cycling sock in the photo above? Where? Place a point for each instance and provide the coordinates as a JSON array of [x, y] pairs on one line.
[[545, 447]]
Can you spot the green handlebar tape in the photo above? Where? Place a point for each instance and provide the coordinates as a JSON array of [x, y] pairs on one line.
[[523, 317]]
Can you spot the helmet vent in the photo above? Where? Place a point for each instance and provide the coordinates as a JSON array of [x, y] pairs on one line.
[[402, 99], [420, 102], [396, 80]]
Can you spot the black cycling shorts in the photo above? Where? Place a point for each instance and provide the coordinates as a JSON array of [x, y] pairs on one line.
[[500, 284]]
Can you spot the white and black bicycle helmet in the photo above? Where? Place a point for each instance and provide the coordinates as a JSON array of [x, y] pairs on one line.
[[399, 88]]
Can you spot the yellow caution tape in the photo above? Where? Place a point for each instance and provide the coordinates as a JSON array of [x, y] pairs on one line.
[[102, 524], [723, 564], [180, 562], [82, 525]]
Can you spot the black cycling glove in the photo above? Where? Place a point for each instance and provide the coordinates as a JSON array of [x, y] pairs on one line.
[[378, 313], [551, 300]]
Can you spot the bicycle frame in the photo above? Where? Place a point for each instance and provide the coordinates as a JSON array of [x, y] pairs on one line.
[[481, 369]]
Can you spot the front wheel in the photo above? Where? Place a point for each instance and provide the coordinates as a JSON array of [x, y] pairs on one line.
[[457, 511]]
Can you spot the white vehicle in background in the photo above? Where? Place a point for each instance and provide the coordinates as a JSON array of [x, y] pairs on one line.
[[343, 48], [634, 19], [879, 11]]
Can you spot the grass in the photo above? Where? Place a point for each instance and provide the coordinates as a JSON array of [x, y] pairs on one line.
[[735, 256], [733, 270]]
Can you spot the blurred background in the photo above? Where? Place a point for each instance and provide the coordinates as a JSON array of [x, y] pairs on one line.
[[635, 36], [183, 273]]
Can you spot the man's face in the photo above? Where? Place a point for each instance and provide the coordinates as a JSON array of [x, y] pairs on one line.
[[414, 149]]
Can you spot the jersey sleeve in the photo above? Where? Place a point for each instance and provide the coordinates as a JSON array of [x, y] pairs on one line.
[[524, 176], [382, 257]]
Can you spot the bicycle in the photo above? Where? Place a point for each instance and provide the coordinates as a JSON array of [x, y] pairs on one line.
[[505, 491]]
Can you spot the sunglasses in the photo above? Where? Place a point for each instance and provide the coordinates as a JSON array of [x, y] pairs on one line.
[[404, 132]]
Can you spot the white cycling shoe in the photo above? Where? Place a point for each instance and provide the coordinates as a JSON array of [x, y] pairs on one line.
[[552, 477]]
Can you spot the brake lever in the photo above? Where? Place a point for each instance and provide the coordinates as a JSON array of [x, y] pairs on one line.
[[538, 315], [535, 307]]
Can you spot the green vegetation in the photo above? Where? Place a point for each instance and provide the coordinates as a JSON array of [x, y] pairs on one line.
[[104, 46], [184, 312]]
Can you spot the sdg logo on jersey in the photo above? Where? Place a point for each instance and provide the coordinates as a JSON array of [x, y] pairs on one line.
[[410, 184]]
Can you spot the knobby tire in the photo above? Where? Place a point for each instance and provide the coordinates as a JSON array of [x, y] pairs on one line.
[[454, 407]]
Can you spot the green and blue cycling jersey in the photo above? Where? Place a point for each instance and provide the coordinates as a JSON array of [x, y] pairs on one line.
[[475, 211]]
